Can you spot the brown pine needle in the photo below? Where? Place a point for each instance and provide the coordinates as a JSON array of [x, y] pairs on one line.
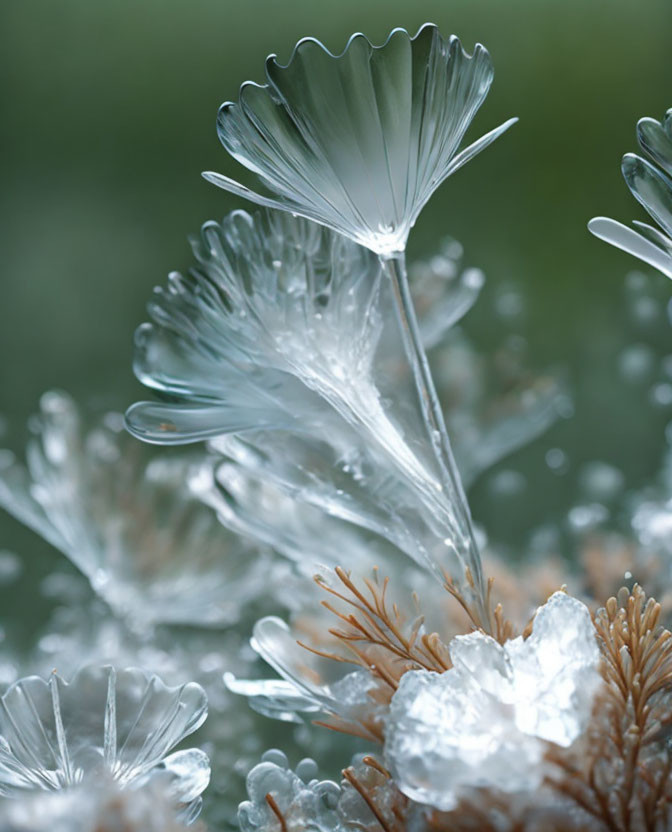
[[277, 812]]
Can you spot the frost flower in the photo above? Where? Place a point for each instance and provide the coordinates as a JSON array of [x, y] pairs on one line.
[[486, 721], [132, 523], [104, 723], [652, 188], [359, 141], [282, 346]]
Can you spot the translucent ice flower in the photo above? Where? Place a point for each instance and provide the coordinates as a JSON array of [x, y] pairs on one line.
[[486, 721], [359, 142], [284, 346], [651, 186], [130, 522], [55, 735]]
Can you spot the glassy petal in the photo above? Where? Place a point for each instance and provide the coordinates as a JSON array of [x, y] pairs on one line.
[[121, 722], [626, 239], [651, 187], [359, 141], [656, 139]]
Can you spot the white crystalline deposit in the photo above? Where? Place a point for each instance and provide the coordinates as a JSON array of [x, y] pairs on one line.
[[484, 722]]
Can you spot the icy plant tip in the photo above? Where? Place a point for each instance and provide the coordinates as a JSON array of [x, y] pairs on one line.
[[651, 186], [486, 722], [359, 141]]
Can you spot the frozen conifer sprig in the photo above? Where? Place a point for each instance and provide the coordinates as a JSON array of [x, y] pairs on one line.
[[604, 766], [625, 778]]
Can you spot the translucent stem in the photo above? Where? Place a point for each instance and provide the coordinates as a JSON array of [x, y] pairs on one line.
[[451, 483]]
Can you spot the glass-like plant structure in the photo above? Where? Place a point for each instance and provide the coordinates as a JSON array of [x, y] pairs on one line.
[[298, 359], [651, 186], [105, 725]]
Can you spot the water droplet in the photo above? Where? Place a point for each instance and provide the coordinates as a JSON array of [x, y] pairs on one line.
[[557, 461]]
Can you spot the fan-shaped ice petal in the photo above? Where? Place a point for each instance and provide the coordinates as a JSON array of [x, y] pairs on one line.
[[358, 142], [286, 320], [122, 723]]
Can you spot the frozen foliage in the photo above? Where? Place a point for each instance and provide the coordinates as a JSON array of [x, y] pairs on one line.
[[651, 186], [310, 683], [129, 521], [484, 722], [298, 348], [359, 142], [122, 724]]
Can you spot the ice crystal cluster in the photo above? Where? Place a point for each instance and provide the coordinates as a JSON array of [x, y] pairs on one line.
[[325, 414]]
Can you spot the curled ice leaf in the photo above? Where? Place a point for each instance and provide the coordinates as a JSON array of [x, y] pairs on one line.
[[485, 722], [121, 724], [311, 683], [128, 520], [275, 698], [359, 141], [652, 187]]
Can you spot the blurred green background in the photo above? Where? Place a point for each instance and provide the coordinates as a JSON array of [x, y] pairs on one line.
[[109, 112]]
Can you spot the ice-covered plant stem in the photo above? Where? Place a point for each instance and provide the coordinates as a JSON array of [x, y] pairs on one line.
[[466, 549]]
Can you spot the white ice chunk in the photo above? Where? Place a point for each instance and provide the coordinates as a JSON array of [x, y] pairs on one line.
[[483, 723]]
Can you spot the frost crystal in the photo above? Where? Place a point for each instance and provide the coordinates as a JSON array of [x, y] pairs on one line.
[[304, 802], [484, 723], [296, 798]]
